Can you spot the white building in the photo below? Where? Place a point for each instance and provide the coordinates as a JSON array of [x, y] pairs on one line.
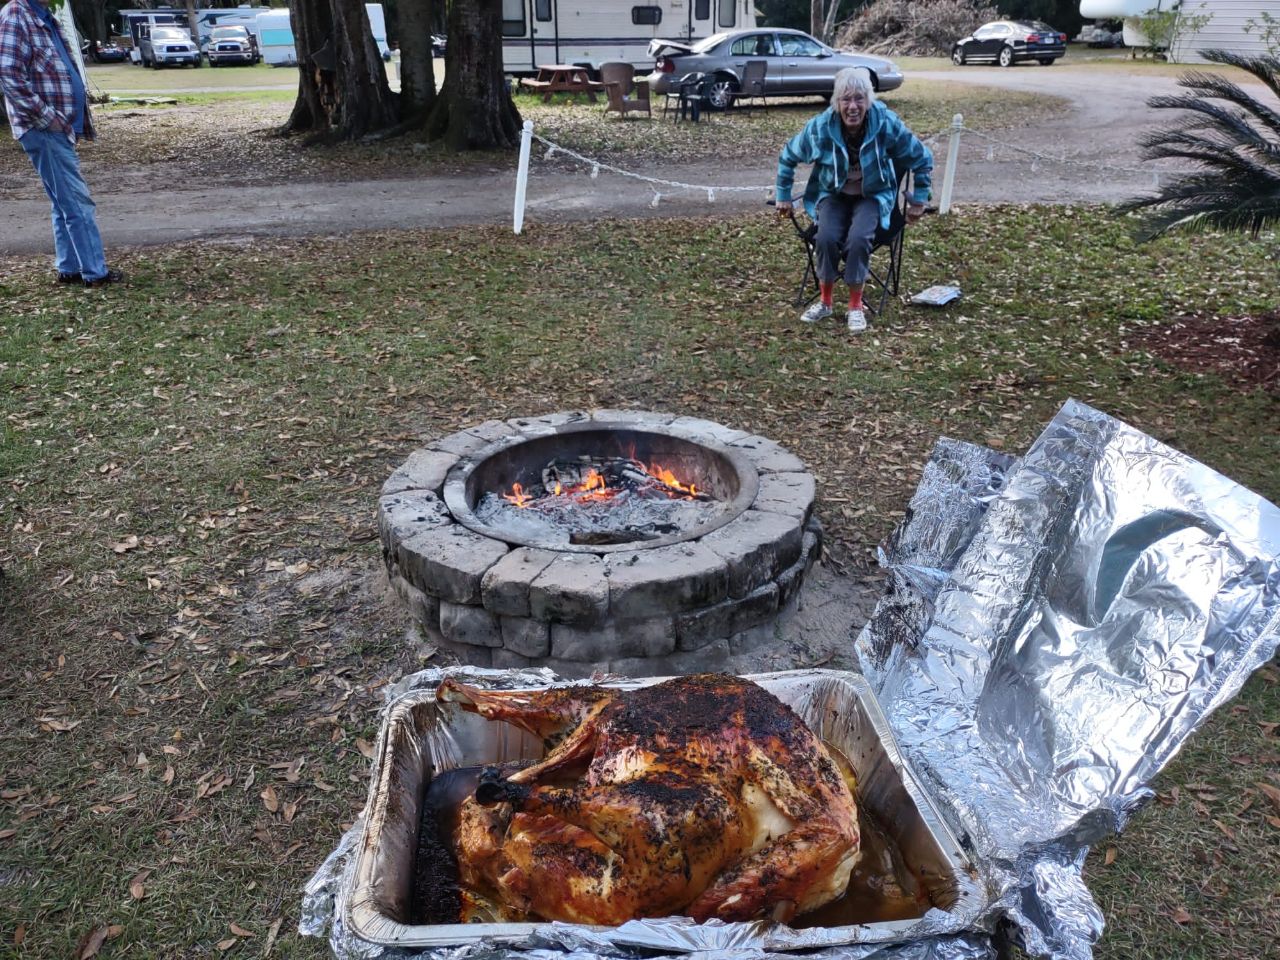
[[1225, 29]]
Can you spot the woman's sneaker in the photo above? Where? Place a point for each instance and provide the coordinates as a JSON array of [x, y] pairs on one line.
[[857, 321], [817, 311]]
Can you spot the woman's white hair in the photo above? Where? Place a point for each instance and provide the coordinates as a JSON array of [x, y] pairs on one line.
[[850, 79]]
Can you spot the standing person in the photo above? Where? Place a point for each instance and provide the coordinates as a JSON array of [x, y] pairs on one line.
[[852, 145], [44, 94]]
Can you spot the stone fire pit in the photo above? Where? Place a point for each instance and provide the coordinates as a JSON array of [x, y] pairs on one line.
[[669, 601]]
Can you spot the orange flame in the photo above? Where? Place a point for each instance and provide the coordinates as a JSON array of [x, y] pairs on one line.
[[517, 496], [594, 487]]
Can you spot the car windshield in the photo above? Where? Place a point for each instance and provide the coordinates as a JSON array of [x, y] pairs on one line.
[[168, 33], [229, 33], [1040, 27]]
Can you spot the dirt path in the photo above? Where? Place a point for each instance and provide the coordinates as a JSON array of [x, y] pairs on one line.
[[1099, 133]]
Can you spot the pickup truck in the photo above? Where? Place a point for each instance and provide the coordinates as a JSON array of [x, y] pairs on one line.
[[231, 44], [163, 46]]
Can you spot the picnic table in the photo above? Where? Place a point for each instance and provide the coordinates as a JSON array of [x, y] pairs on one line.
[[562, 78]]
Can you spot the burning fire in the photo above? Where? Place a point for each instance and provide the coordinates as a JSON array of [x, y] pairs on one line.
[[595, 487]]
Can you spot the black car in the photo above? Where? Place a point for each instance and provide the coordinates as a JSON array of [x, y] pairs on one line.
[[1008, 41], [100, 52]]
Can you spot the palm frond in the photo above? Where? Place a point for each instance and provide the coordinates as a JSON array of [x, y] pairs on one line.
[[1232, 138]]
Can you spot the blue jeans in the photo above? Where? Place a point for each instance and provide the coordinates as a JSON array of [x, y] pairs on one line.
[[76, 243]]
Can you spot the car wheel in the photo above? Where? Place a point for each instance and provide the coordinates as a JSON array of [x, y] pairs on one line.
[[957, 56], [155, 64], [1006, 56], [1046, 61], [720, 93]]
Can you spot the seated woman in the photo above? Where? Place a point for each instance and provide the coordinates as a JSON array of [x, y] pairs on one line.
[[853, 146]]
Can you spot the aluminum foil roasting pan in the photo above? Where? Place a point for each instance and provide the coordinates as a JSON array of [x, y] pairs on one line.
[[421, 737]]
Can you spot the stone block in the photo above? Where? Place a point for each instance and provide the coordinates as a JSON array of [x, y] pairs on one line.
[[768, 456], [491, 430], [424, 470], [755, 546], [448, 562], [636, 418], [760, 637], [505, 586], [402, 515], [623, 638], [462, 444], [474, 626], [790, 494], [424, 610], [672, 579], [790, 580], [503, 659], [547, 423], [695, 630], [571, 589], [713, 658], [699, 430], [476, 656], [529, 638]]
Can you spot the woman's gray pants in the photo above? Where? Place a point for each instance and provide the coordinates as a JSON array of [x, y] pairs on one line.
[[846, 229]]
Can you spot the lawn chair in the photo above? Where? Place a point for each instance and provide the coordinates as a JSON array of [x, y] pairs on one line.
[[619, 80], [884, 272], [753, 79], [687, 95]]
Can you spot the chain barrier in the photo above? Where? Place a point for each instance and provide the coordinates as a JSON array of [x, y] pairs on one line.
[[951, 132]]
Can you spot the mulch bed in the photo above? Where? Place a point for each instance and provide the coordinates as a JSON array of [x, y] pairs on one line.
[[1244, 351]]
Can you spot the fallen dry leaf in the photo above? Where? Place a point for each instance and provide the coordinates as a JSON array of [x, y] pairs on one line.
[[124, 546], [136, 888], [8, 834], [1180, 915], [91, 943], [270, 800], [1226, 831], [1272, 793], [115, 930], [365, 748], [227, 944], [240, 931], [19, 934], [1110, 857], [272, 932]]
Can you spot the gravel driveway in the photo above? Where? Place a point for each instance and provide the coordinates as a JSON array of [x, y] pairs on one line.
[[1098, 133]]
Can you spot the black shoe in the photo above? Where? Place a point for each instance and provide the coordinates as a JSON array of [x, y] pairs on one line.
[[69, 277], [113, 276]]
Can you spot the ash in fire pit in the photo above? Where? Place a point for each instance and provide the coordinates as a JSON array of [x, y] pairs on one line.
[[598, 501]]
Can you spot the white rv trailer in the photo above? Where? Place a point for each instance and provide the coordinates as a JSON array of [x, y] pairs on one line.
[[586, 33], [275, 38], [1227, 26]]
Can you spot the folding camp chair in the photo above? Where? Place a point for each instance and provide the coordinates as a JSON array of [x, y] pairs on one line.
[[884, 272]]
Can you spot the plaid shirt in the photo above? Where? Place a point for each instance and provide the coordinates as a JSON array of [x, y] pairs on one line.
[[37, 89]]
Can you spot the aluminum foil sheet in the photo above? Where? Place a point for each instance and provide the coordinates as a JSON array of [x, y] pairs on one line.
[[1053, 630], [1111, 595]]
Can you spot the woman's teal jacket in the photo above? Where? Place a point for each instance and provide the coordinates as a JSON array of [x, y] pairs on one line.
[[887, 139]]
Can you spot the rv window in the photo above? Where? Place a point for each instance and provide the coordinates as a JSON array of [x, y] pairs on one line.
[[542, 9], [726, 13], [702, 9], [513, 18], [651, 16]]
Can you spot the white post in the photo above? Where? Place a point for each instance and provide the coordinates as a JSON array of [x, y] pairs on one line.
[[953, 155], [522, 174]]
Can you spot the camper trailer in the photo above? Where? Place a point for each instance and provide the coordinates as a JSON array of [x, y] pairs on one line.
[[275, 38], [591, 33]]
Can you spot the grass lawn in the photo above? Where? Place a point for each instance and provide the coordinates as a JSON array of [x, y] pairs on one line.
[[194, 629]]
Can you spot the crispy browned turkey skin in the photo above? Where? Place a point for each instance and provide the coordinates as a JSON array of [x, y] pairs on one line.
[[703, 795]]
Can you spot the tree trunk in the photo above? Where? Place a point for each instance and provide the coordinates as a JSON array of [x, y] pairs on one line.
[[342, 84], [815, 18], [191, 23], [474, 110], [417, 67]]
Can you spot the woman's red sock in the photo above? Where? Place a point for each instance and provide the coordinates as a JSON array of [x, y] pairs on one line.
[[855, 299], [826, 290]]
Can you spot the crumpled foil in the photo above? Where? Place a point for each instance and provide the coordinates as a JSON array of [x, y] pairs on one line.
[[1052, 631]]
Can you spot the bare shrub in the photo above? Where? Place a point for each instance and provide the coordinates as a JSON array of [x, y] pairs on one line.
[[913, 27]]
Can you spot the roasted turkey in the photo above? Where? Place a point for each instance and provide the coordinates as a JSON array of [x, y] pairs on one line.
[[702, 795]]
